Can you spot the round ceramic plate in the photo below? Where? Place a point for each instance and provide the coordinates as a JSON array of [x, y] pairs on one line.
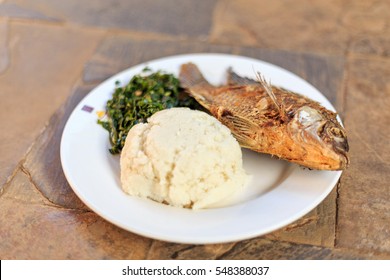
[[278, 194]]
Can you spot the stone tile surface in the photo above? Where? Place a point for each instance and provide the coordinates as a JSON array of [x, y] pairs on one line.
[[173, 251], [43, 163], [15, 11], [118, 52], [87, 236], [179, 17], [321, 26], [264, 249], [46, 61], [4, 51], [253, 249], [43, 169], [364, 191], [368, 22], [50, 50], [33, 228]]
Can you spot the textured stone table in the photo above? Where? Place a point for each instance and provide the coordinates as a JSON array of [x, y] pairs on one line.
[[53, 53]]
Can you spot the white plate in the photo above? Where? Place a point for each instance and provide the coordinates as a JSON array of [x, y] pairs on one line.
[[278, 194]]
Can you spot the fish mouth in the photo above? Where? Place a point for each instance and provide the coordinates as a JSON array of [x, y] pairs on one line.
[[341, 147], [336, 137], [344, 160], [340, 144]]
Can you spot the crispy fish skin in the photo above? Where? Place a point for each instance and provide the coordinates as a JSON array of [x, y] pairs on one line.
[[272, 120]]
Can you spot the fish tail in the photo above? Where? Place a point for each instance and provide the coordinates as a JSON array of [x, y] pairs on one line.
[[191, 77]]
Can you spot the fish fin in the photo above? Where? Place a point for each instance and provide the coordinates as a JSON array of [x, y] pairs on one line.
[[243, 129], [191, 77], [196, 85], [268, 89], [233, 79]]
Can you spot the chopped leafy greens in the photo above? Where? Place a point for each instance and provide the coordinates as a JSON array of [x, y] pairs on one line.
[[144, 95]]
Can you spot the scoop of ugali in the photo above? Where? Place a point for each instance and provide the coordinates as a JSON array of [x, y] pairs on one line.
[[182, 157]]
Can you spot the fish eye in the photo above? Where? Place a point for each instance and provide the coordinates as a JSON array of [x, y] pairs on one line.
[[308, 116]]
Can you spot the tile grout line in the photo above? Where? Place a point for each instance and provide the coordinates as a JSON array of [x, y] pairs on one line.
[[177, 253], [344, 110], [11, 175], [336, 215], [227, 252], [27, 173], [147, 255], [22, 160], [10, 178], [30, 179], [20, 165]]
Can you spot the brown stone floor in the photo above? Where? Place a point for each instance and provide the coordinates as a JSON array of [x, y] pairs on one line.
[[53, 52]]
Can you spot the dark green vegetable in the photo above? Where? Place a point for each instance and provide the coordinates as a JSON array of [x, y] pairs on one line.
[[143, 96]]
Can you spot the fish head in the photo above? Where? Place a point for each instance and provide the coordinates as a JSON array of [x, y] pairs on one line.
[[322, 130]]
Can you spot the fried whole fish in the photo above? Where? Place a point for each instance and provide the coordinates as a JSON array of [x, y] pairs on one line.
[[271, 119]]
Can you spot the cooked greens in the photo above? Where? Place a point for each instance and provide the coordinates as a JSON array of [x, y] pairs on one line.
[[144, 95]]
